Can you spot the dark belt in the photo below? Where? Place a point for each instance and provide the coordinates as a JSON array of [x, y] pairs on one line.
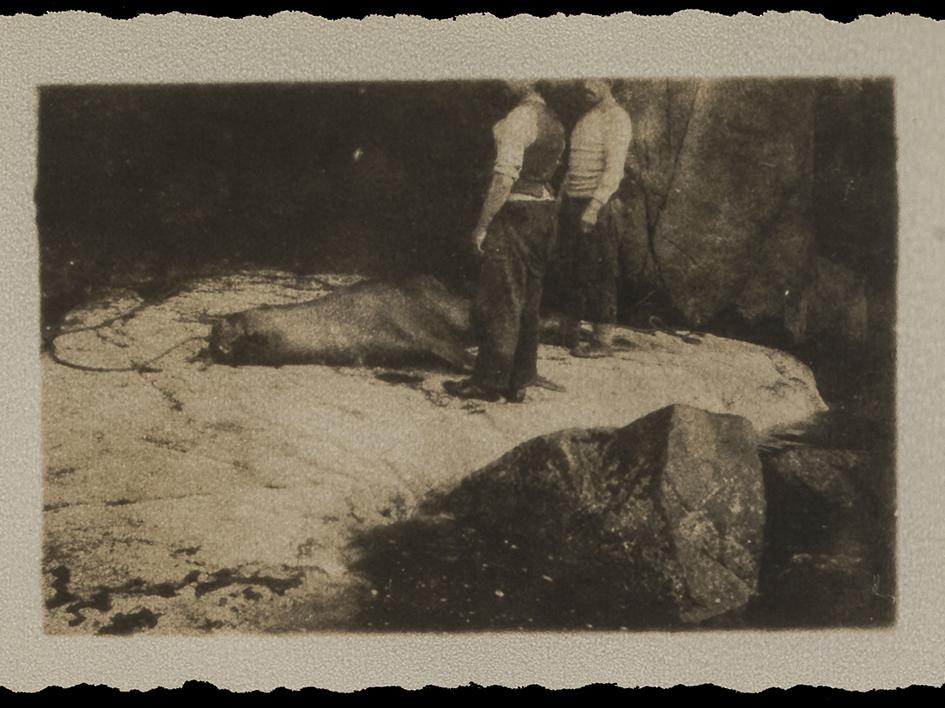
[[575, 202]]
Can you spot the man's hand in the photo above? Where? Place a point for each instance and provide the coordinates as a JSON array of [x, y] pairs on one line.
[[589, 217], [478, 236]]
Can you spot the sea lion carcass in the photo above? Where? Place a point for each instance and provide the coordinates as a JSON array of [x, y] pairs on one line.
[[372, 323]]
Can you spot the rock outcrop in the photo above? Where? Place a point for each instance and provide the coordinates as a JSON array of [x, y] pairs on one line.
[[222, 497], [743, 178], [716, 211]]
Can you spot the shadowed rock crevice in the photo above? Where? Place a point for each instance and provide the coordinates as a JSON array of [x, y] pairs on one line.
[[829, 555]]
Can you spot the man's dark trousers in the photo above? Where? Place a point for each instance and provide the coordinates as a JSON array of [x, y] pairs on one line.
[[508, 314], [591, 263]]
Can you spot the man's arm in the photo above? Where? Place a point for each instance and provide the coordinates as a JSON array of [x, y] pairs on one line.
[[499, 190], [512, 135], [618, 134]]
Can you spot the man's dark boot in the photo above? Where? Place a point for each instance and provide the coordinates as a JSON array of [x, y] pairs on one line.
[[469, 389], [515, 395], [600, 346]]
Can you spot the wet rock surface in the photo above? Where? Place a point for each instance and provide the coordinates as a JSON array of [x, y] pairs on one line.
[[658, 523], [226, 498]]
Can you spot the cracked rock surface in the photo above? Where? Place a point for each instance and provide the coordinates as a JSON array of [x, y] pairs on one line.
[[715, 215], [199, 497]]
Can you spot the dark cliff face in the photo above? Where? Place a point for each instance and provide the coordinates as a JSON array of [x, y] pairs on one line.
[[734, 189]]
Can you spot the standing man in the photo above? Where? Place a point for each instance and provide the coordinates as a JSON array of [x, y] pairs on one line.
[[514, 236], [588, 240]]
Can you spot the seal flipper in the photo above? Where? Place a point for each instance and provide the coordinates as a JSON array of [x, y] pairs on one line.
[[455, 356]]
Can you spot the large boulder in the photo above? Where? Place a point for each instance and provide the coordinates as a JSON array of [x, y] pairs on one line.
[[219, 496], [656, 523], [747, 151], [715, 213], [660, 111]]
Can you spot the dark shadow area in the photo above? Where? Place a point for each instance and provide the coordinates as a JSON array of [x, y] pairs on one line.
[[143, 185], [437, 573], [829, 554], [513, 552]]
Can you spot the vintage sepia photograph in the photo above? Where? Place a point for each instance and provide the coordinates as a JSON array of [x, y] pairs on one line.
[[605, 354]]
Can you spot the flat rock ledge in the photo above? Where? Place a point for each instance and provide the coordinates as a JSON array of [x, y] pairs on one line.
[[203, 497]]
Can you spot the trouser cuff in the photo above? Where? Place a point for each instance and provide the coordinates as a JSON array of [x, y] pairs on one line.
[[603, 333]]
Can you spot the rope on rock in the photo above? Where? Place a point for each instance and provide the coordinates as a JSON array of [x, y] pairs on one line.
[[139, 367], [143, 367]]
